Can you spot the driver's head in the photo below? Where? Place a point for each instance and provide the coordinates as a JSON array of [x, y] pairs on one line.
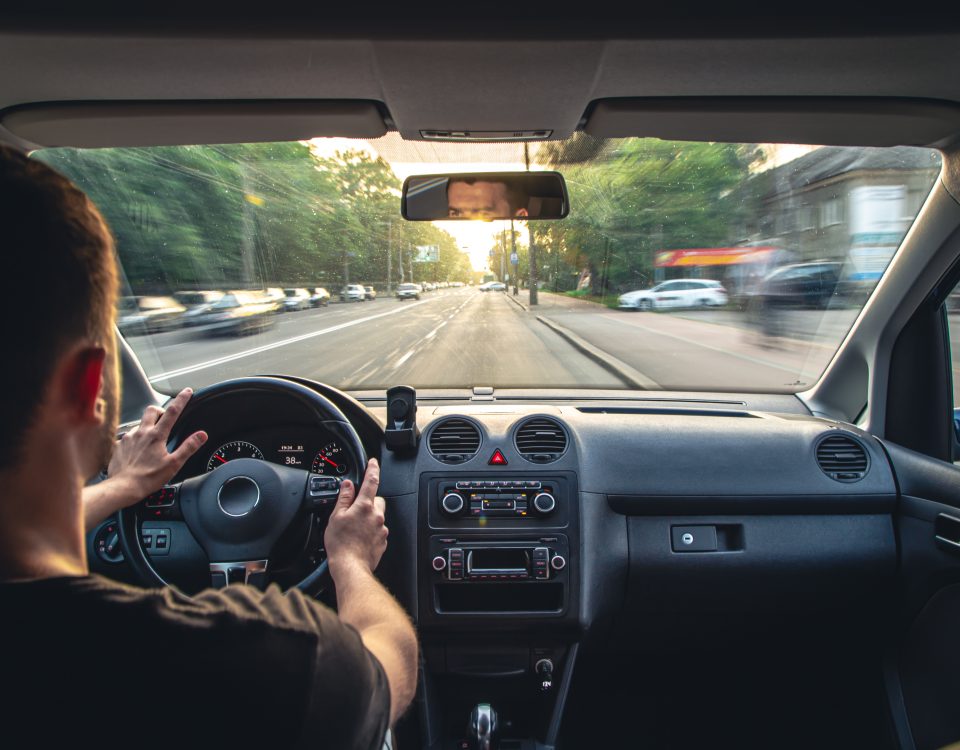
[[60, 380], [482, 199]]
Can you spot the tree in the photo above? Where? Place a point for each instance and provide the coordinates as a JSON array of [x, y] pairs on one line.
[[633, 197]]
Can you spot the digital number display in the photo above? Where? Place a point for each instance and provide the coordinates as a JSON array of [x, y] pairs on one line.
[[291, 454]]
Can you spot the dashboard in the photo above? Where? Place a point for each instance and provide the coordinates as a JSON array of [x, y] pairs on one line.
[[521, 532]]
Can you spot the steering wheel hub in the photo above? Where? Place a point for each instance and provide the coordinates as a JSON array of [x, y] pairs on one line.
[[238, 496]]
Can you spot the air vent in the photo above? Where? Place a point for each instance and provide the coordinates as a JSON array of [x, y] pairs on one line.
[[454, 441], [541, 440], [842, 458]]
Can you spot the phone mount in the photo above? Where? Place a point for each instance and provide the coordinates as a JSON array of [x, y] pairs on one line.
[[402, 434]]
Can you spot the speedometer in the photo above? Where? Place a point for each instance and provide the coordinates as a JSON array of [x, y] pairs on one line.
[[230, 451], [331, 459]]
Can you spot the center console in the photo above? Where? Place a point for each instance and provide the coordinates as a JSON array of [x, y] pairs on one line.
[[498, 602]]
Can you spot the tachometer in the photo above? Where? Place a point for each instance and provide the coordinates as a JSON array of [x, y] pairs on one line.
[[230, 451], [331, 459]]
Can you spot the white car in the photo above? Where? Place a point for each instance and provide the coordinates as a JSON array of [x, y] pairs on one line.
[[353, 293], [676, 294]]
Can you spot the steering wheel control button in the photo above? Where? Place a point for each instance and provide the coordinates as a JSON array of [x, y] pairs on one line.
[[155, 541], [544, 503], [453, 503], [693, 538], [439, 563], [323, 491], [558, 562], [165, 497]]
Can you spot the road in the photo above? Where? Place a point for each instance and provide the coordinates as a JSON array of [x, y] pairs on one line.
[[450, 338], [463, 337]]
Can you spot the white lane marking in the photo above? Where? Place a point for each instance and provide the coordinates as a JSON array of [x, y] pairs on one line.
[[434, 331], [403, 359], [746, 357], [278, 344]]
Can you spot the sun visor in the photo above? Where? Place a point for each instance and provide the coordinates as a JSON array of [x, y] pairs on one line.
[[106, 124], [815, 120]]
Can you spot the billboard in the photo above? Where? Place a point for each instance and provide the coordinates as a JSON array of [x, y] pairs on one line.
[[427, 254]]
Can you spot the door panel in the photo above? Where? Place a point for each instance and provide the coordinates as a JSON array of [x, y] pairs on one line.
[[928, 648]]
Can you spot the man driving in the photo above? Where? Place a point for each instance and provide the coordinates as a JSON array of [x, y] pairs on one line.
[[483, 200], [85, 656]]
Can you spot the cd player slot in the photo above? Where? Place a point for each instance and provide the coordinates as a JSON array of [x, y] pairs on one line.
[[498, 561]]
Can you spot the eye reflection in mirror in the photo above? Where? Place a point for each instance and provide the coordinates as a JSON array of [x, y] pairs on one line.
[[482, 200], [485, 196]]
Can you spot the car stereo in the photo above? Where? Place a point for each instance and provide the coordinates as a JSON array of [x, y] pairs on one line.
[[541, 501], [497, 560]]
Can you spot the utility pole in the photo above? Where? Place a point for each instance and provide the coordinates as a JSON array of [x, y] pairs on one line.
[[410, 258], [389, 258], [503, 254], [513, 254], [534, 297]]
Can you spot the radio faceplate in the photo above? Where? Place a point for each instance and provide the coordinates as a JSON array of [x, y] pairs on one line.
[[498, 503], [488, 560]]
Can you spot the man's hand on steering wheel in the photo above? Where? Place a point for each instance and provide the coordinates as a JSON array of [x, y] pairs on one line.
[[141, 464], [356, 534]]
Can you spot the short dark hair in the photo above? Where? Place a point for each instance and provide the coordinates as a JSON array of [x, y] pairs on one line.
[[58, 260]]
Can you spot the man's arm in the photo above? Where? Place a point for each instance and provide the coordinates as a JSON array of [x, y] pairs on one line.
[[141, 464], [355, 540]]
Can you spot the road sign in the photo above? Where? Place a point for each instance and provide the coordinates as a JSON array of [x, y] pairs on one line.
[[427, 254], [514, 259]]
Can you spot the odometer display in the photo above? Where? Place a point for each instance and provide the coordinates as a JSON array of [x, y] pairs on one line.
[[233, 450], [331, 460]]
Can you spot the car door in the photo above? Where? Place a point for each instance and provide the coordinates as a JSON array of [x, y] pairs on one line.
[[922, 668], [668, 294]]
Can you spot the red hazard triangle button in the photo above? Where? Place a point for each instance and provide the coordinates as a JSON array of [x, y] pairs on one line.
[[498, 459]]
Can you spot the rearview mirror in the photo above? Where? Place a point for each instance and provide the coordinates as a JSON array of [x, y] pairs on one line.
[[485, 196]]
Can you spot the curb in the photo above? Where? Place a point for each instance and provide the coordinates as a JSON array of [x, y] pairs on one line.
[[517, 302], [622, 370]]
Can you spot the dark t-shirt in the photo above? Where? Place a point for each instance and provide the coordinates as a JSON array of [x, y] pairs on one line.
[[87, 662]]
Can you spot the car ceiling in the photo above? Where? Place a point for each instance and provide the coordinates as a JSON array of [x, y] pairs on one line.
[[467, 83]]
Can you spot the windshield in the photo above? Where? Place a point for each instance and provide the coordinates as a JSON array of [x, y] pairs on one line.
[[791, 240]]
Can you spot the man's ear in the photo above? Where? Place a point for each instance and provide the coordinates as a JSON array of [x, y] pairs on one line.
[[81, 383]]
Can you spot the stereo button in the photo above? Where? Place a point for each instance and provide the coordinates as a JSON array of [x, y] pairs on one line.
[[452, 503], [544, 503], [439, 563]]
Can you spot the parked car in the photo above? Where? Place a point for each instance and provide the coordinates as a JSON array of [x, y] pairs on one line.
[[320, 297], [296, 299], [275, 295], [677, 293], [353, 293], [141, 315], [197, 305], [241, 312], [811, 285], [370, 292], [408, 291]]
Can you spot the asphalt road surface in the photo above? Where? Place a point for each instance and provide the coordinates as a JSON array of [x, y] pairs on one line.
[[462, 338]]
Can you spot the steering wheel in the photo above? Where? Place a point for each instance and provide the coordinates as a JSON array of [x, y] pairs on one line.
[[240, 511]]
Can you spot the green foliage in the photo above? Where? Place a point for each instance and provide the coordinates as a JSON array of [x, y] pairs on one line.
[[631, 198], [254, 215]]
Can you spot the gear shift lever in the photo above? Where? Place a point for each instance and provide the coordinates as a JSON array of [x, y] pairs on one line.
[[482, 729]]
